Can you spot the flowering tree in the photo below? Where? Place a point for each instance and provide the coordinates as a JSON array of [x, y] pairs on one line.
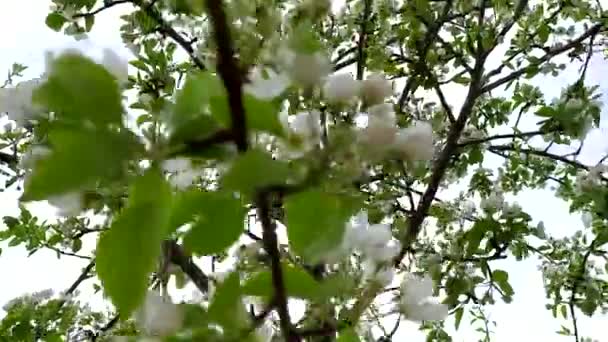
[[240, 120]]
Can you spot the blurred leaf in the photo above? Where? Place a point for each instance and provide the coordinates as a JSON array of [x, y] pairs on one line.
[[55, 21], [253, 170], [80, 90], [316, 222], [220, 222], [298, 283], [128, 251], [79, 159]]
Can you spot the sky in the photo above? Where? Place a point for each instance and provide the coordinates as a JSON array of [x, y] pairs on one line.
[[525, 319]]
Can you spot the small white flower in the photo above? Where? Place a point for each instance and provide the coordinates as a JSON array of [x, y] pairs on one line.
[[69, 204], [266, 88], [416, 142], [512, 209], [416, 300], [468, 208], [116, 65], [383, 111], [494, 202], [17, 102], [158, 316], [264, 333], [341, 88], [183, 173], [587, 219], [307, 126], [308, 69], [380, 133], [375, 89], [574, 104]]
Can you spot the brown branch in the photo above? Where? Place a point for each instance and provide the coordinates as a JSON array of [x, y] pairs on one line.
[[178, 257], [270, 242], [361, 53], [107, 5], [550, 54], [540, 154], [501, 136], [229, 71]]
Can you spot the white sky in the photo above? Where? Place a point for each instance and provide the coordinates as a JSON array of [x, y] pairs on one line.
[[526, 319]]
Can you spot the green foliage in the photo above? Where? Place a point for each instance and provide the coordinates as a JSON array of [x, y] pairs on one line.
[[219, 223], [80, 157], [141, 226], [254, 170], [81, 91], [298, 284], [316, 222]]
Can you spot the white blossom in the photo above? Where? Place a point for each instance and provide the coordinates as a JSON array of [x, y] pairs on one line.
[[307, 126], [158, 316], [68, 204], [512, 209], [306, 70], [468, 208], [415, 142], [375, 89], [116, 65], [417, 303], [494, 202], [266, 88], [341, 88], [264, 333], [383, 111], [587, 219], [183, 173], [379, 133], [17, 102]]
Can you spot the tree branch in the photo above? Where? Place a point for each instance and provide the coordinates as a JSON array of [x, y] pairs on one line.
[[178, 257], [550, 54], [229, 71], [107, 5], [501, 136], [361, 55]]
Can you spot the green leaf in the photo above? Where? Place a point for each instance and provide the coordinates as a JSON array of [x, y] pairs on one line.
[[253, 170], [226, 307], [263, 116], [128, 251], [501, 278], [476, 234], [55, 21], [458, 317], [193, 99], [316, 222], [219, 224], [79, 159], [89, 21], [81, 90], [348, 335], [546, 111], [298, 283]]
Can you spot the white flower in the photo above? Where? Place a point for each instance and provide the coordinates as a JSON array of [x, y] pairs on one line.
[[158, 316], [383, 111], [264, 333], [512, 209], [307, 69], [68, 204], [468, 208], [380, 133], [17, 102], [416, 300], [415, 142], [574, 104], [587, 219], [183, 173], [307, 126], [266, 88], [375, 89], [116, 65], [341, 88], [494, 202], [384, 276]]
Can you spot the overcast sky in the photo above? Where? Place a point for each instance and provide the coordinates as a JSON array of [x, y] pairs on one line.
[[24, 40]]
